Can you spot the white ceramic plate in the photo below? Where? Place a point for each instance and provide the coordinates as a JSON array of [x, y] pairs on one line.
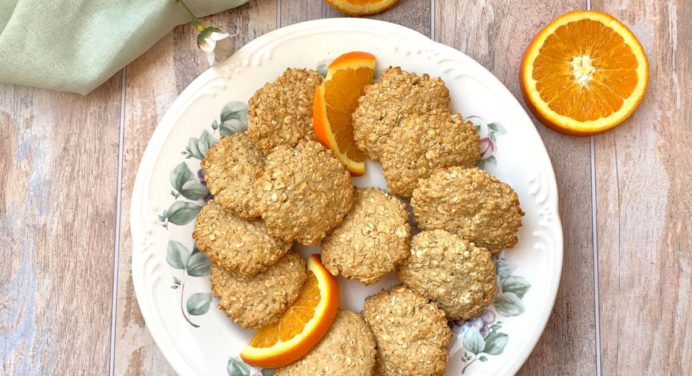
[[171, 278]]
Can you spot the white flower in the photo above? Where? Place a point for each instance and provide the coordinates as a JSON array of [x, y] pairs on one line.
[[216, 45]]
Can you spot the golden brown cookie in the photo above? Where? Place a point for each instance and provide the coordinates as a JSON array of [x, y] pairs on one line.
[[348, 349], [280, 113], [372, 240], [259, 300], [304, 192], [230, 169], [471, 203], [425, 143], [412, 334], [394, 97], [236, 244], [452, 272]]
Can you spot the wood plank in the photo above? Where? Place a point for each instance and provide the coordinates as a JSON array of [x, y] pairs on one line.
[[154, 80], [644, 204], [495, 33], [414, 14], [57, 227]]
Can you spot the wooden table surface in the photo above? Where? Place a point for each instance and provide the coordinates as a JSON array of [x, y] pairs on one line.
[[67, 305]]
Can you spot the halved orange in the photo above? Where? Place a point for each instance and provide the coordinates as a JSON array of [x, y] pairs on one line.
[[302, 326], [584, 73], [336, 100], [361, 7]]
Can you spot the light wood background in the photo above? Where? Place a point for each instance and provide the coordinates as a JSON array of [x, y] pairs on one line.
[[67, 305]]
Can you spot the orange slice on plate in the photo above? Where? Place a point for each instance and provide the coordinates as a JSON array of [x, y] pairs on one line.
[[302, 326], [361, 7], [584, 73], [336, 100]]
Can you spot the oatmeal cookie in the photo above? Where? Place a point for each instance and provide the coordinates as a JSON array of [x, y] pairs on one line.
[[230, 169], [425, 143], [372, 240], [471, 203], [452, 272], [348, 349], [235, 244], [259, 300], [304, 192], [280, 113], [412, 334], [385, 103]]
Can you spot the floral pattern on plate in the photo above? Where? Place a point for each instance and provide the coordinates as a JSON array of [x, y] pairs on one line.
[[482, 336]]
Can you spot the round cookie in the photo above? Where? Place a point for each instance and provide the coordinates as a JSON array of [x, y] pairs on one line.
[[348, 349], [451, 272], [280, 113], [235, 244], [230, 169], [471, 203], [372, 240], [422, 144], [412, 334], [304, 192], [259, 300], [395, 96]]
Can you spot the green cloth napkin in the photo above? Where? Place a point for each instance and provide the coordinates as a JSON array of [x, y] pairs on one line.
[[75, 45]]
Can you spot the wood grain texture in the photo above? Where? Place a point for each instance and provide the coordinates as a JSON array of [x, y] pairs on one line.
[[59, 155], [154, 80], [644, 204], [495, 33]]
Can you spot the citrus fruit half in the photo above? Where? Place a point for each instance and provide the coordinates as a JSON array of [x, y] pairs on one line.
[[584, 73], [361, 7], [302, 326], [336, 100]]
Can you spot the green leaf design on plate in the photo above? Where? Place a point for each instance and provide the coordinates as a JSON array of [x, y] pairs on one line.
[[497, 127], [182, 213], [473, 340], [516, 285], [193, 190], [206, 140], [236, 367], [233, 118], [508, 304], [495, 342], [504, 269], [197, 148], [176, 254], [198, 265], [322, 68], [180, 175], [198, 303], [267, 372]]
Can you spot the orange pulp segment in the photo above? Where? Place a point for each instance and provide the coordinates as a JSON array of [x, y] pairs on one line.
[[361, 7], [584, 73], [336, 100], [302, 326]]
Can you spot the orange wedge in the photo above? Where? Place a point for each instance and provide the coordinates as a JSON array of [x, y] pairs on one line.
[[336, 100], [584, 73], [361, 7], [302, 326]]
